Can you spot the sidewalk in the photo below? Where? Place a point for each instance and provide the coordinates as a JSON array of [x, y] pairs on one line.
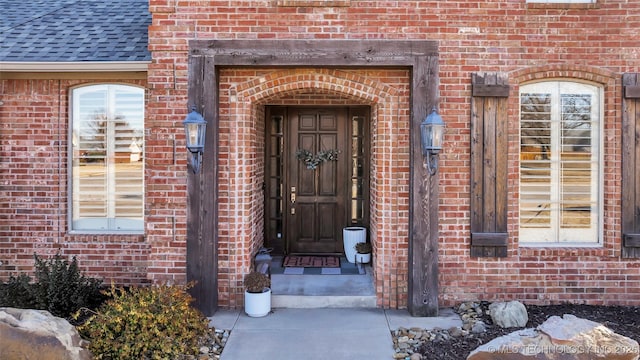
[[320, 334]]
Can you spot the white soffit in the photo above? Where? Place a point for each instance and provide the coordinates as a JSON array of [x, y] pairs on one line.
[[78, 66]]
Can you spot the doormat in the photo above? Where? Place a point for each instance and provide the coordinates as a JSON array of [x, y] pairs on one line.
[[311, 261], [346, 268]]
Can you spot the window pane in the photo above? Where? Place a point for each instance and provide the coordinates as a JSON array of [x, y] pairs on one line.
[[357, 170], [108, 150], [559, 162], [535, 163], [575, 174], [275, 180]]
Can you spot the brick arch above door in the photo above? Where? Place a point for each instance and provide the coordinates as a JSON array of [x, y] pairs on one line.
[[338, 82]]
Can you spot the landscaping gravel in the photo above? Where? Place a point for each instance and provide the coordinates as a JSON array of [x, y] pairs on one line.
[[478, 329]]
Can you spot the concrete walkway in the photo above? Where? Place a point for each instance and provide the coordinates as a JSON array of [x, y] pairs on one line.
[[320, 334]]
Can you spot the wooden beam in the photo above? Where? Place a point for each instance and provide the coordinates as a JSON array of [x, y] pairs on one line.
[[423, 198], [492, 90], [489, 239], [194, 261], [209, 192], [477, 170], [329, 60], [489, 84], [632, 91], [202, 260], [314, 53], [632, 240]]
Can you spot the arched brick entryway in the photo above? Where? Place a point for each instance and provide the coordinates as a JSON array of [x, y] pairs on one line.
[[231, 87], [246, 102]]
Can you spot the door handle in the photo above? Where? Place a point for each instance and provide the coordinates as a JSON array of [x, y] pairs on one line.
[[293, 194]]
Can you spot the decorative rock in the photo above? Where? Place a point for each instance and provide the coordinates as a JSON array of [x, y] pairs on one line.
[[36, 334], [479, 327], [211, 345], [442, 337], [509, 314], [455, 332], [415, 356], [566, 338]]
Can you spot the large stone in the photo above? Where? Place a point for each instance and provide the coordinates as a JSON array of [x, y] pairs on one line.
[[509, 314], [36, 334], [566, 338]]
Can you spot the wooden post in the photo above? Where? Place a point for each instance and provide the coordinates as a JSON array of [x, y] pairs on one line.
[[202, 233], [424, 197]]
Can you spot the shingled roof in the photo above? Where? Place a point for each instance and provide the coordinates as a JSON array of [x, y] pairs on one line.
[[74, 30]]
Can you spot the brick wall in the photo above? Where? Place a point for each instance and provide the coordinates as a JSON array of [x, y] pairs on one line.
[[587, 42], [34, 137], [594, 43]]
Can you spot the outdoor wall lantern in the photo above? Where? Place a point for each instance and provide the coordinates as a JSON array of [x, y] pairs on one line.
[[431, 134], [194, 128]]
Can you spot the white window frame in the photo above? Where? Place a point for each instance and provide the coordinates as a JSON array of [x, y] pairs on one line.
[[554, 236], [110, 222]]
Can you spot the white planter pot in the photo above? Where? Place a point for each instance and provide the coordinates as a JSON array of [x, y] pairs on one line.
[[257, 304], [363, 258], [351, 236]]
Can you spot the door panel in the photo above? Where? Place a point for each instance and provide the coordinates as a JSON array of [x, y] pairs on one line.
[[316, 207], [327, 199]]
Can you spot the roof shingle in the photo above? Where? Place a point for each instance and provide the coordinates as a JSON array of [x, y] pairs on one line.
[[74, 30]]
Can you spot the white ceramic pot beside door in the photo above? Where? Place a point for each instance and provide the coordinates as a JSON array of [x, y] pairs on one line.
[[257, 304], [351, 236]]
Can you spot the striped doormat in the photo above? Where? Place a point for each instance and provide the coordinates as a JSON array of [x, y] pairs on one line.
[[306, 261]]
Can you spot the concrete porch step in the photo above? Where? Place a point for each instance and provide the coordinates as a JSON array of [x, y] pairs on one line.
[[323, 291], [320, 302]]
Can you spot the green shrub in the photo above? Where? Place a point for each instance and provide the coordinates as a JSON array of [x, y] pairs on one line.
[[59, 288], [17, 292], [154, 322]]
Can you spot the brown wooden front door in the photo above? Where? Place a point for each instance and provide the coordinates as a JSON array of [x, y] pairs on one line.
[[306, 209], [316, 198]]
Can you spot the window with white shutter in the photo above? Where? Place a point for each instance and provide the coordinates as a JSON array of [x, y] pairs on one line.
[[560, 163], [107, 138]]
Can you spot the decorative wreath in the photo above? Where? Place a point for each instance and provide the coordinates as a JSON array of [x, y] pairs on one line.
[[312, 161]]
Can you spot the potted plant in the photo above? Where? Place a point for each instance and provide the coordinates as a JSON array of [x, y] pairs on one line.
[[363, 252], [257, 294]]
